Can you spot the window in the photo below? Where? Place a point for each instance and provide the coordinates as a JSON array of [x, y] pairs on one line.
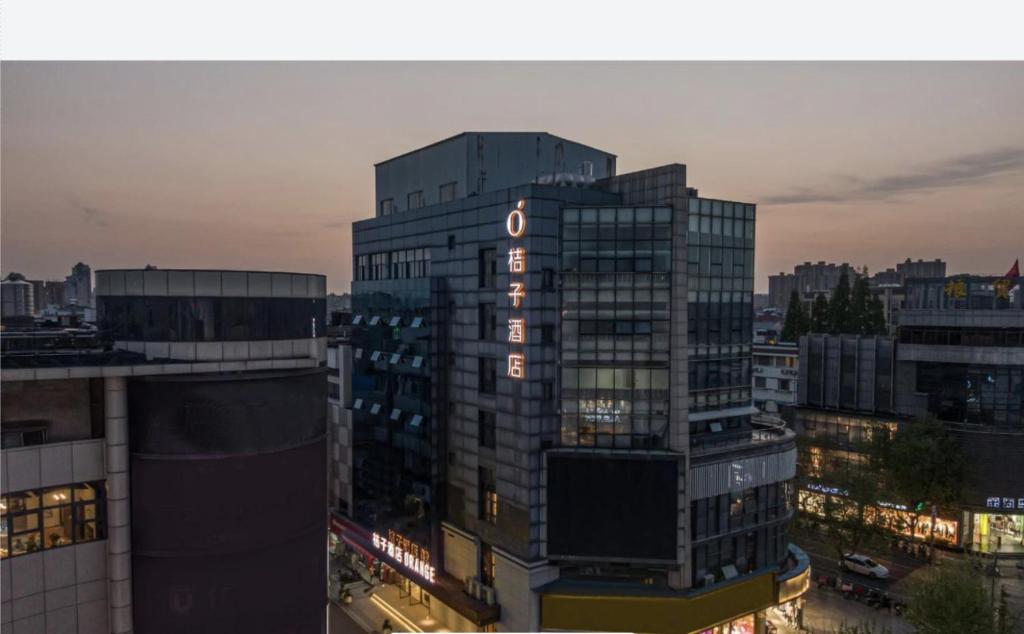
[[488, 510], [51, 518], [415, 199], [784, 385], [759, 381], [488, 322], [487, 564], [23, 435], [451, 241], [547, 279], [485, 429], [548, 391], [547, 334], [488, 375], [447, 192], [488, 268], [387, 206]]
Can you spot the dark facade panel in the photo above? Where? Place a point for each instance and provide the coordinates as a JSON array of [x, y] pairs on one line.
[[228, 497], [211, 318], [227, 413], [183, 507], [278, 590], [605, 507]]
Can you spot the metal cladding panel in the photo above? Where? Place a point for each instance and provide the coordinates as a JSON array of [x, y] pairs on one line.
[[612, 508], [197, 415]]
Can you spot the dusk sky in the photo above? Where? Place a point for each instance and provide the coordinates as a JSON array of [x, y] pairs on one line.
[[266, 165]]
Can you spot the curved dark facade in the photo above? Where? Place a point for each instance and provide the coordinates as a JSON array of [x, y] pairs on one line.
[[228, 496], [139, 318]]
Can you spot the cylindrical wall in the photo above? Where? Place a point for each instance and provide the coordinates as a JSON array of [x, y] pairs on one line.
[[228, 497]]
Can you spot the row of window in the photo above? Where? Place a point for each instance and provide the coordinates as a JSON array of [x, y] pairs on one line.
[[394, 265], [776, 361], [391, 322], [40, 519], [617, 216], [1011, 337], [781, 384], [733, 555], [739, 509], [415, 200], [396, 415], [211, 318]]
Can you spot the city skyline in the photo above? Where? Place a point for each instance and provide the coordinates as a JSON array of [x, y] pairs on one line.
[[183, 164]]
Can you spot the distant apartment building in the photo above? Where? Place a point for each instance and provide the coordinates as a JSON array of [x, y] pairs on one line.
[[808, 281], [78, 286], [776, 376], [550, 419], [921, 268], [48, 293], [167, 474], [957, 355]]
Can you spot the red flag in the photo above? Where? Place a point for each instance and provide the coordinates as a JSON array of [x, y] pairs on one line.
[[1014, 270]]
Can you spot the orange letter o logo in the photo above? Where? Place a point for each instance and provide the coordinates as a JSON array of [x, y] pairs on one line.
[[516, 222]]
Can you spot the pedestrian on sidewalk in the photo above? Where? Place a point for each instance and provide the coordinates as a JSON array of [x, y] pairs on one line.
[[386, 628]]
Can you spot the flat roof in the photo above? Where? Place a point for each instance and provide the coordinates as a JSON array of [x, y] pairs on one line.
[[461, 134]]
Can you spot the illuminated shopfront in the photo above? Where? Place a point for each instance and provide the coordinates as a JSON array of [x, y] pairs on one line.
[[389, 559], [894, 517], [742, 625], [997, 532]]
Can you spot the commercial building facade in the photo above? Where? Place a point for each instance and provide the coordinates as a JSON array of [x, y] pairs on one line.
[[776, 376], [525, 359], [958, 356], [168, 475]]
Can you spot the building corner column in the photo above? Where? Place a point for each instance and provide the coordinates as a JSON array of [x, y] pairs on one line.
[[119, 554]]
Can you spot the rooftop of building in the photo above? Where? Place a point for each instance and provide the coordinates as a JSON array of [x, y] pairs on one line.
[[493, 132]]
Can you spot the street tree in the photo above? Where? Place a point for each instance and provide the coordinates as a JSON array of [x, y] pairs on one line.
[[839, 311], [875, 319], [853, 484], [923, 465], [797, 321], [951, 599], [819, 315], [859, 308]]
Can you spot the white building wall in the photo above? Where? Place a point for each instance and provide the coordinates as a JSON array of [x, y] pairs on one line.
[[61, 589]]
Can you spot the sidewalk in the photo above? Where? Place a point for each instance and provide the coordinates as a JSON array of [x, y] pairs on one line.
[[370, 611]]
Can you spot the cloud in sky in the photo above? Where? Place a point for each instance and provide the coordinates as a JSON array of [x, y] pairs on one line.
[[955, 171]]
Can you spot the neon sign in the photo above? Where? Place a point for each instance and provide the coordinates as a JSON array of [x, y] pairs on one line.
[[515, 224], [406, 553]]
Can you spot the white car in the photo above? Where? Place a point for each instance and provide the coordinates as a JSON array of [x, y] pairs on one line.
[[864, 565]]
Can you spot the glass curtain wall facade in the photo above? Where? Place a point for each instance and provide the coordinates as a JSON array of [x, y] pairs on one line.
[[616, 269], [720, 275], [391, 407]]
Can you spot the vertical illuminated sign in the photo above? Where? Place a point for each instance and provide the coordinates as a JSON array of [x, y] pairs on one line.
[[515, 224]]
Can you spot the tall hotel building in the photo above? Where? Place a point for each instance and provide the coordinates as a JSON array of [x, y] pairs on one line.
[[550, 415], [168, 473]]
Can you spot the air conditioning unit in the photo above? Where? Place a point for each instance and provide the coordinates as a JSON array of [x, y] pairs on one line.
[[488, 595], [709, 580]]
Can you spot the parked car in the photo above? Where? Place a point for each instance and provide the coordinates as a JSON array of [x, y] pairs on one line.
[[864, 565]]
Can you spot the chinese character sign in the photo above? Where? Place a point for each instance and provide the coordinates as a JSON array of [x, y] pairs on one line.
[[516, 226]]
